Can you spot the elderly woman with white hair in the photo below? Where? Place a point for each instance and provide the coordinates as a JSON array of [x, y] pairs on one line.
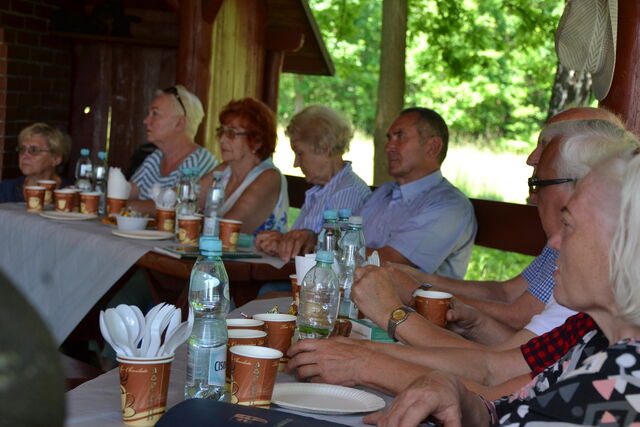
[[172, 123], [598, 381], [319, 137]]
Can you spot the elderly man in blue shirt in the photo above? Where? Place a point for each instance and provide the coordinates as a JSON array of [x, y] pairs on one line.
[[420, 218]]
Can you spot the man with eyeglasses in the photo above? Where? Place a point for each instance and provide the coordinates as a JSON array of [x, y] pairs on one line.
[[419, 219]]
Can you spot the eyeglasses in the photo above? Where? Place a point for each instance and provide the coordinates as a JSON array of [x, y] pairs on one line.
[[229, 133], [174, 91], [535, 183], [32, 150]]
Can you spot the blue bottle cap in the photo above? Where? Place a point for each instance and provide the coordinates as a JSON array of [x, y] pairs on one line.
[[84, 151], [355, 220], [186, 171], [330, 214], [102, 155], [344, 213], [324, 256], [195, 170], [210, 245]]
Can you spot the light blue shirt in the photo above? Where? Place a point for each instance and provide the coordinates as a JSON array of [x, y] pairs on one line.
[[344, 190], [429, 221]]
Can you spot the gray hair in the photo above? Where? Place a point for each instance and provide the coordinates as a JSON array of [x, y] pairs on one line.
[[193, 109], [321, 127], [587, 143], [57, 141]]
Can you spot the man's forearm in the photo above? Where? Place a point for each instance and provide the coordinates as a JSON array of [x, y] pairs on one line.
[[516, 315]]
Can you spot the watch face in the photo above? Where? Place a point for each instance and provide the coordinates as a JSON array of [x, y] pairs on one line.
[[398, 314]]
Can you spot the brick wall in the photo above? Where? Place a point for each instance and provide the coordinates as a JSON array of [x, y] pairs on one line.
[[35, 74]]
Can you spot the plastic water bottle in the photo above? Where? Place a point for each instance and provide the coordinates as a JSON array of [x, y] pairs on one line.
[[319, 299], [343, 219], [209, 298], [84, 171], [213, 206], [100, 181], [195, 175], [186, 197], [330, 232], [351, 255]]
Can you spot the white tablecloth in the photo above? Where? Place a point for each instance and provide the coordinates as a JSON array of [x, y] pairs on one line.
[[97, 402], [63, 267]]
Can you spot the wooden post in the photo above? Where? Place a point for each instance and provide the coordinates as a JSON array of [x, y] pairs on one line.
[[624, 96], [279, 41]]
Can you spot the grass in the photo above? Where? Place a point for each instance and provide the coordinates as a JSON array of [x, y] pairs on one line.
[[478, 172]]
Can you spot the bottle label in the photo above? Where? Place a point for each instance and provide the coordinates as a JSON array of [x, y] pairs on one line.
[[210, 227], [217, 365]]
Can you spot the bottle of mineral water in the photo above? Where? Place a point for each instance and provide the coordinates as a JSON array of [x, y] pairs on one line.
[[343, 219], [84, 171], [351, 255], [185, 197], [209, 298], [213, 206], [100, 181], [319, 299], [330, 232]]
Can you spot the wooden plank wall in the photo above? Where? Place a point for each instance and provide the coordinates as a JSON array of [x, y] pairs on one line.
[[237, 63]]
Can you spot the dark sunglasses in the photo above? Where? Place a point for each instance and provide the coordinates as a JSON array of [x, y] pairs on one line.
[[535, 183], [174, 91]]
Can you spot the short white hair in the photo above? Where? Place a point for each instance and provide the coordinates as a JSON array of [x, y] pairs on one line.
[[193, 109], [624, 259]]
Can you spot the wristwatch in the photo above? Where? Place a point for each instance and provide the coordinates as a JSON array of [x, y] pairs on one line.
[[398, 316]]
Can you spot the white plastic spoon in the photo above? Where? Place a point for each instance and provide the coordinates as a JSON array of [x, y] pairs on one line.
[[118, 330]]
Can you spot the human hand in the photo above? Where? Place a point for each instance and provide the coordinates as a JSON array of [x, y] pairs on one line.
[[296, 242], [267, 241], [405, 284], [374, 294], [333, 361], [463, 319], [434, 394]]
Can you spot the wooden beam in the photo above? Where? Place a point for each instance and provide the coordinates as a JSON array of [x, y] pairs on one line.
[[284, 39], [279, 41], [624, 96]]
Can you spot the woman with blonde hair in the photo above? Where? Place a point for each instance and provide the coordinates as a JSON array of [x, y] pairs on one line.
[[42, 152]]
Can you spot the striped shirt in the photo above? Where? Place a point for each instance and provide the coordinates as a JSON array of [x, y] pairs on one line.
[[149, 174], [344, 190]]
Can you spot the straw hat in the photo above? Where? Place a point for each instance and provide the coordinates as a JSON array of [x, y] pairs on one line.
[[586, 40]]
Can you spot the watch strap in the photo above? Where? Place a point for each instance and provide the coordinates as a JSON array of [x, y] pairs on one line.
[[395, 320]]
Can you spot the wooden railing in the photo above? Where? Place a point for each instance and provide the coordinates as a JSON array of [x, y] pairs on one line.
[[505, 226]]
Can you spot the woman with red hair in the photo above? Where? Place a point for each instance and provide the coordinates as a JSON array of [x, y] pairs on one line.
[[255, 190]]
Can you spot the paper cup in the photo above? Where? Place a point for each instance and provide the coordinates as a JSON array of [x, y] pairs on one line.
[[49, 186], [229, 230], [143, 389], [253, 374], [89, 202], [189, 230], [76, 199], [245, 324], [433, 305], [243, 337], [279, 328], [295, 290], [116, 206], [34, 196], [166, 220], [64, 200]]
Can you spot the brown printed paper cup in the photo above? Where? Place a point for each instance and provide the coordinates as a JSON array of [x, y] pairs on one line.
[[49, 186], [144, 383], [89, 202], [255, 324], [433, 305], [166, 220], [279, 328], [64, 200], [34, 196], [253, 374], [243, 337], [229, 230], [116, 206], [189, 230], [76, 199]]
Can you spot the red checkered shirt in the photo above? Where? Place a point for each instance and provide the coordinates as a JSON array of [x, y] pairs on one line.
[[546, 349]]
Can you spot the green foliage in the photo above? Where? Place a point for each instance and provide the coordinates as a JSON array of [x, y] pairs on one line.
[[493, 264]]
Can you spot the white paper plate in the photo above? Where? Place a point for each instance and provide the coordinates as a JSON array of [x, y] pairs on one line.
[[144, 234], [67, 216], [325, 398]]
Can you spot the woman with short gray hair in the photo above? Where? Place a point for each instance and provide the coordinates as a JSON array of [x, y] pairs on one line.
[[319, 137]]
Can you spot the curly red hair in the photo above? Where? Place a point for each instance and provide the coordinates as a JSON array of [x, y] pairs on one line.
[[258, 119]]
